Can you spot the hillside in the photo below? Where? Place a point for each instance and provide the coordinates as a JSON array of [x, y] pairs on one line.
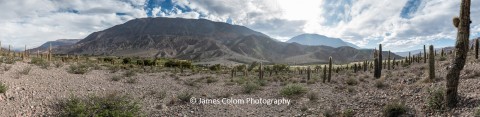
[[203, 41], [315, 39]]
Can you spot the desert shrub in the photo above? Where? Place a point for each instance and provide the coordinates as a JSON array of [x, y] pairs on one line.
[[113, 68], [148, 62], [380, 84], [78, 68], [477, 112], [280, 67], [293, 89], [3, 87], [178, 63], [442, 58], [58, 64], [131, 80], [116, 78], [261, 82], [108, 59], [129, 73], [436, 100], [127, 60], [25, 71], [40, 62], [351, 81], [312, 96], [185, 96], [250, 87], [240, 67], [394, 109], [111, 105], [348, 113], [215, 67], [211, 79]]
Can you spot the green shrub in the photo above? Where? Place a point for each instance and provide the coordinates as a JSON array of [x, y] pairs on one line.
[[436, 100], [116, 78], [129, 73], [111, 105], [78, 68], [185, 96], [293, 89], [250, 87], [477, 112], [312, 96], [127, 60], [215, 67], [3, 88], [351, 81], [348, 113], [178, 63], [131, 80], [394, 109], [40, 62]]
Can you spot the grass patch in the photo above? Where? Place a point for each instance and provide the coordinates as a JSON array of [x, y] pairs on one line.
[[111, 105], [3, 88], [40, 62], [78, 68], [129, 73], [351, 81], [348, 113], [380, 84], [292, 90], [436, 100], [116, 78], [394, 109], [312, 96], [250, 87], [185, 96], [131, 80]]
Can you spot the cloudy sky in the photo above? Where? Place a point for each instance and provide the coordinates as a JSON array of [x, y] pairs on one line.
[[398, 24]]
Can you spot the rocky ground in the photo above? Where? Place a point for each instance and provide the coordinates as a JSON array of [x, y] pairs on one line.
[[38, 92]]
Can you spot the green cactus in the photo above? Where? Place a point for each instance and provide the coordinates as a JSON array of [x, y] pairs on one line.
[[308, 73], [377, 71], [329, 69], [431, 64], [476, 48], [388, 61], [380, 60], [324, 73], [260, 71], [461, 48]]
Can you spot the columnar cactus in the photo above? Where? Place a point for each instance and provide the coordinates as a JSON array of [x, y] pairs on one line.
[[461, 49], [431, 64], [442, 53], [260, 71], [394, 63], [308, 73], [380, 60], [355, 68], [476, 48], [329, 69], [388, 61], [324, 73], [50, 52], [424, 54], [377, 71]]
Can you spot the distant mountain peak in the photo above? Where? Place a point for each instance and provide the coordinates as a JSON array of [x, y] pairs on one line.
[[316, 39]]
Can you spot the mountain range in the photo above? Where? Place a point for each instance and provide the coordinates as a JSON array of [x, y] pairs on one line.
[[55, 44], [315, 39], [205, 41]]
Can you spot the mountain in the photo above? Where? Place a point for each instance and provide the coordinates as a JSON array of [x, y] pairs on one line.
[[315, 39], [203, 41], [55, 44]]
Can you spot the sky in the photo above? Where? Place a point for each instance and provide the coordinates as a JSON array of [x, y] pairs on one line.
[[399, 25]]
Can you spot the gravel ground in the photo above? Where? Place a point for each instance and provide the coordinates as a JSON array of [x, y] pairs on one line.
[[38, 92]]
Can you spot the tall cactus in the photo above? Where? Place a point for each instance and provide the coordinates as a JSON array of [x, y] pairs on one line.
[[324, 73], [431, 64], [377, 71], [260, 71], [461, 48], [388, 62], [424, 54], [329, 69], [476, 48], [380, 60], [308, 73]]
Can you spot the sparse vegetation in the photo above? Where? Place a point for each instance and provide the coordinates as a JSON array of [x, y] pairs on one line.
[[250, 87], [292, 90], [25, 71], [185, 96], [351, 81], [348, 113], [3, 87], [78, 68], [394, 109], [436, 100], [116, 78], [112, 105], [312, 96]]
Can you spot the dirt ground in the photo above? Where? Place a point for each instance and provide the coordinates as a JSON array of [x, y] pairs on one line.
[[38, 92]]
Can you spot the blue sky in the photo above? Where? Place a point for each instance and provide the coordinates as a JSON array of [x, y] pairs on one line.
[[399, 25]]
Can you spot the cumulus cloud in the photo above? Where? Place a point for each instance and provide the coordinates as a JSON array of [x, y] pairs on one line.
[[399, 25]]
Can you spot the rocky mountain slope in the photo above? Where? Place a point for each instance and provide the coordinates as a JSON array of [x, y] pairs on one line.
[[203, 41], [55, 44], [315, 39]]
